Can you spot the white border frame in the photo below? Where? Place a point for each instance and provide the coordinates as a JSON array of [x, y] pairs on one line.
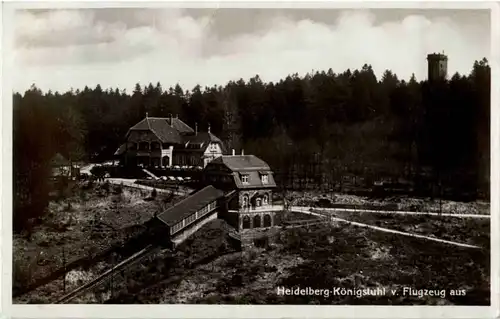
[[233, 311]]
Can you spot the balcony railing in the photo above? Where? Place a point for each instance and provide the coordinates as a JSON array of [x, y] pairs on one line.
[[263, 208]]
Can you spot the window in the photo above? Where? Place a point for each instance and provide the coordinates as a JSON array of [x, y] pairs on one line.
[[265, 199], [203, 211], [256, 221], [246, 222], [213, 147], [176, 228], [244, 179], [244, 204], [267, 220], [190, 219], [258, 202], [212, 205], [264, 178]]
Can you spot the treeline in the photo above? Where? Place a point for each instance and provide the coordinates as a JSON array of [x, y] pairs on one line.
[[313, 129]]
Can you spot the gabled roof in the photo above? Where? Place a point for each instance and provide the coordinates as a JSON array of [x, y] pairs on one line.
[[165, 132], [190, 205], [173, 130], [201, 137], [160, 127], [179, 125], [239, 163], [249, 165]]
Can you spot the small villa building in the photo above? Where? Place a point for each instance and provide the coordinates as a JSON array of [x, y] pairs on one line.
[[251, 183]]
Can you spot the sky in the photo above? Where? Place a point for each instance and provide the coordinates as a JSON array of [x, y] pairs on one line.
[[119, 47]]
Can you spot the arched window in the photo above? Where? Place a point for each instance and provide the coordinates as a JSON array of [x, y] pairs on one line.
[[258, 202], [246, 222], [256, 221], [267, 220], [244, 203], [266, 199]]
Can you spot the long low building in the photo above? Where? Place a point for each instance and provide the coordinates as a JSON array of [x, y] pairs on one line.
[[190, 214]]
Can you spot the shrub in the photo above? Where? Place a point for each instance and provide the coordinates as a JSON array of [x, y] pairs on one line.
[[106, 186], [119, 189], [83, 196]]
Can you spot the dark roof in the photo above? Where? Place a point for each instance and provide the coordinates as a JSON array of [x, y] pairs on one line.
[[160, 127], [179, 125], [142, 125], [173, 130], [190, 205], [202, 137], [254, 180], [165, 132], [249, 165], [239, 163]]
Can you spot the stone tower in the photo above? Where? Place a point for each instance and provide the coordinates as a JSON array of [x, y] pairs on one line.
[[437, 66]]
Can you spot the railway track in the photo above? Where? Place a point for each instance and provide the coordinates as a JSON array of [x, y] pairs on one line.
[[138, 256]]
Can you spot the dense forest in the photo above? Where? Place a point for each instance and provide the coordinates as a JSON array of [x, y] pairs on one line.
[[317, 128]]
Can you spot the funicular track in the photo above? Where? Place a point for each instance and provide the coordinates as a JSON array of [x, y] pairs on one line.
[[138, 256]]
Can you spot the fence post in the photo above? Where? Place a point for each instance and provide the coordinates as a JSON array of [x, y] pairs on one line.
[[64, 268]]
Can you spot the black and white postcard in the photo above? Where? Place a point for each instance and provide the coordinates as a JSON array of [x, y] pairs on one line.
[[250, 160]]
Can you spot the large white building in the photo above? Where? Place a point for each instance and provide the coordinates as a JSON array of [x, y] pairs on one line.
[[164, 142]]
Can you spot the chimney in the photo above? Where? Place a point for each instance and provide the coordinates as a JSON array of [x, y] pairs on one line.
[[208, 127], [196, 129], [234, 152], [242, 152], [146, 114], [171, 120]]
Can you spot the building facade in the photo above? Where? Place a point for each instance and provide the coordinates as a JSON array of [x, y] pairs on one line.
[[166, 142], [251, 183]]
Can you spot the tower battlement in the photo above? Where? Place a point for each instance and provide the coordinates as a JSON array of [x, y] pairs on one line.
[[436, 56]]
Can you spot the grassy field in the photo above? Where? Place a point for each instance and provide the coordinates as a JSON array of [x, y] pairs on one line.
[[472, 231]]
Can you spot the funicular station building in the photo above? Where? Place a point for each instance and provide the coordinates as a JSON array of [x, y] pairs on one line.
[[237, 189], [251, 180]]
